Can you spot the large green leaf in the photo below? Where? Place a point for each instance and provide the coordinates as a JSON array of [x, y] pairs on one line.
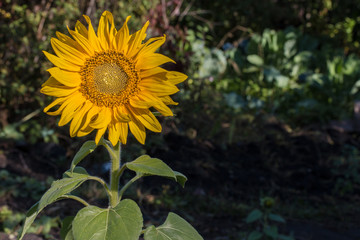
[[174, 228], [30, 217], [71, 181], [85, 149], [57, 190], [123, 222], [146, 165]]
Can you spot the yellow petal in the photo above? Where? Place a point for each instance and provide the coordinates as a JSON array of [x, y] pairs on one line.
[[80, 28], [103, 119], [89, 116], [159, 88], [121, 115], [136, 40], [71, 106], [62, 63], [84, 132], [103, 29], [99, 134], [152, 71], [158, 73], [67, 40], [114, 134], [79, 118], [151, 45], [53, 104], [139, 103], [70, 79], [153, 60], [168, 101], [176, 77], [94, 41], [146, 118], [164, 110], [123, 128], [144, 99], [52, 82], [122, 37], [83, 42], [58, 91], [68, 53], [137, 128]]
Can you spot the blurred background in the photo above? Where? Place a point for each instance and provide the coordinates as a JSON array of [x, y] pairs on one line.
[[267, 129]]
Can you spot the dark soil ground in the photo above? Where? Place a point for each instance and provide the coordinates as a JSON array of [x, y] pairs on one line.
[[296, 168]]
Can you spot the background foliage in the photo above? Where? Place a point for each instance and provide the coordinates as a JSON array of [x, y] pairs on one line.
[[261, 74]]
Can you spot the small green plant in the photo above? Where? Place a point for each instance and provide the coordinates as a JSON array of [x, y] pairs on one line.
[[266, 220]]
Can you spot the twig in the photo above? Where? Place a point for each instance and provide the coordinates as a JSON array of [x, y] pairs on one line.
[[42, 21], [231, 32]]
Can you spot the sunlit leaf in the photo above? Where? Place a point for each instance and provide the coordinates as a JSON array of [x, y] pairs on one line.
[[146, 165], [174, 228], [123, 222]]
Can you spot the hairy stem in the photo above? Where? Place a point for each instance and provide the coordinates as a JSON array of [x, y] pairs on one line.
[[114, 153], [127, 185], [76, 198]]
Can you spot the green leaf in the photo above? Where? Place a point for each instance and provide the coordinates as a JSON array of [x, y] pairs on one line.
[[271, 231], [255, 215], [85, 149], [58, 189], [66, 227], [64, 186], [30, 217], [276, 218], [255, 235], [174, 228], [123, 222], [255, 60], [180, 178], [146, 165], [69, 235]]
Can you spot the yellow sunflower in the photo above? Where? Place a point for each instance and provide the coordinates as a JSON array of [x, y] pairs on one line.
[[109, 81]]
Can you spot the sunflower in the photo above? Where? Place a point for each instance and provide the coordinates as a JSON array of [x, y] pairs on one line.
[[109, 81]]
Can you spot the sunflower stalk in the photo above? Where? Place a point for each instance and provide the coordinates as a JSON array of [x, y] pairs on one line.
[[115, 156]]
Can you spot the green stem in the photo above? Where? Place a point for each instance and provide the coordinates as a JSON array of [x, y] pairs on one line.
[[75, 198], [102, 182], [114, 153], [127, 185]]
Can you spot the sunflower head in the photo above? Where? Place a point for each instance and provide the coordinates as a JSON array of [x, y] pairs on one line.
[[108, 81]]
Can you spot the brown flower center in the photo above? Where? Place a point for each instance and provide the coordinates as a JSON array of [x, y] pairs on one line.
[[109, 79]]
